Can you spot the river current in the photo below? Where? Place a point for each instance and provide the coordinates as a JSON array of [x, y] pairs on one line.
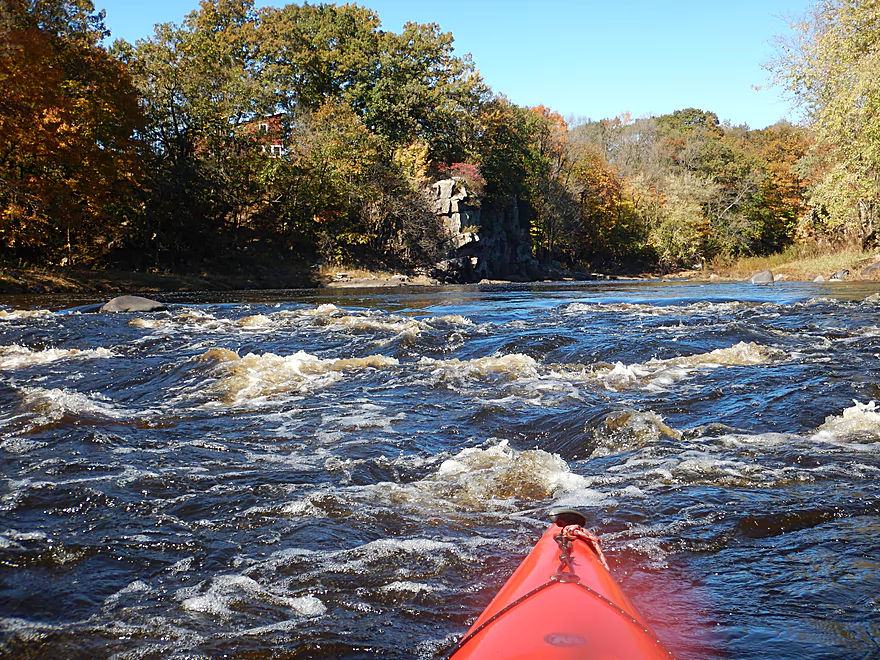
[[354, 473]]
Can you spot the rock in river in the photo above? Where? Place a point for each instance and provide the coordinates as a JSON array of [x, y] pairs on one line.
[[762, 277], [133, 304]]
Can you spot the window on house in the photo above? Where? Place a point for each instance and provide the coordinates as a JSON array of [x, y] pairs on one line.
[[277, 150]]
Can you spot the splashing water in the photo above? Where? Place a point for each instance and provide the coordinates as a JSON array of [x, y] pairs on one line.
[[355, 474]]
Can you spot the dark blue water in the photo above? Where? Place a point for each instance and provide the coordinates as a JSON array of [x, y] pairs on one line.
[[354, 474]]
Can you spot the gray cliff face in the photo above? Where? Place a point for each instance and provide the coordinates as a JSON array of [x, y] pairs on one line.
[[479, 241]]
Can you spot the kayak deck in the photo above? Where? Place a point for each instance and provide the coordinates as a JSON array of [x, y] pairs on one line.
[[561, 603]]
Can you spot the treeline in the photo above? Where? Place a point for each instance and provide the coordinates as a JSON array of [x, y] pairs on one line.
[[676, 190], [308, 134]]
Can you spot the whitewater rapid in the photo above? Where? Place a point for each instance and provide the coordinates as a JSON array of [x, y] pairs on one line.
[[355, 473]]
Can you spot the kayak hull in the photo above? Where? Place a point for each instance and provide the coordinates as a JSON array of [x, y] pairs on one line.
[[578, 614]]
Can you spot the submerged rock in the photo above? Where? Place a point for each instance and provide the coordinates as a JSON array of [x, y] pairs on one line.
[[133, 304], [762, 277]]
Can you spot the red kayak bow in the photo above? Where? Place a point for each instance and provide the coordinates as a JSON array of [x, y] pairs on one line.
[[561, 602]]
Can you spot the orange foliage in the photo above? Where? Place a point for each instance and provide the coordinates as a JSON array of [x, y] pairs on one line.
[[67, 115]]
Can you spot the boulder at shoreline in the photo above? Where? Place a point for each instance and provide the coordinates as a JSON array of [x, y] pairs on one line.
[[762, 277]]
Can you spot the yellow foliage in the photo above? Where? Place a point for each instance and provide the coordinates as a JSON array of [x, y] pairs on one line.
[[413, 161]]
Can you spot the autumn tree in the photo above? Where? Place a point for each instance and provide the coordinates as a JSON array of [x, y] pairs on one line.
[[199, 87], [556, 209], [830, 66], [68, 113]]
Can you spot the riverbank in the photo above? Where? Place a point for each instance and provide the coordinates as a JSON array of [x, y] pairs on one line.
[[802, 264], [13, 281], [39, 280], [794, 265]]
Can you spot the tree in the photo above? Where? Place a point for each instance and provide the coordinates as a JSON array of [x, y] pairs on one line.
[[503, 147], [68, 113], [423, 91], [556, 208], [317, 54], [406, 87], [831, 67], [201, 92]]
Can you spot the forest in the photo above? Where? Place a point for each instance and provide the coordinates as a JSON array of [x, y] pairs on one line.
[[307, 134]]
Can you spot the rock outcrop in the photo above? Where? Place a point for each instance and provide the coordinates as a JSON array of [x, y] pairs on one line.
[[480, 241]]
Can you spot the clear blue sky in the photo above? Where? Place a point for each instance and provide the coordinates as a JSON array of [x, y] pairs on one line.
[[585, 58]]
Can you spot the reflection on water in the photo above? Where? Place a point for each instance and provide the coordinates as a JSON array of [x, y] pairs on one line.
[[327, 474]]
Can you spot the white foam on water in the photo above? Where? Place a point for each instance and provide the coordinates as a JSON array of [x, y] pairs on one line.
[[189, 320], [496, 479], [138, 586], [15, 535], [16, 445], [696, 466], [280, 627], [25, 314], [818, 300], [7, 544], [302, 508], [369, 324], [515, 365], [729, 461], [759, 441], [868, 331], [474, 475], [584, 498], [52, 404], [628, 430], [244, 379], [632, 492], [531, 380], [182, 566], [255, 322], [450, 319], [321, 310], [309, 606], [148, 324], [333, 319], [408, 558], [408, 587], [17, 357], [646, 309], [365, 416], [661, 374], [227, 591], [27, 631], [373, 551], [859, 421], [651, 548]]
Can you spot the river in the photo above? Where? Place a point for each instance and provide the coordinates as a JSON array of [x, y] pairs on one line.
[[354, 473]]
